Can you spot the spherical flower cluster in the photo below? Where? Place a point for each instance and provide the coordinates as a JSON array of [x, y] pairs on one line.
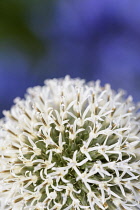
[[70, 145]]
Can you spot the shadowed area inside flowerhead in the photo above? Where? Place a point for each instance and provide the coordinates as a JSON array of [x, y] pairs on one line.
[[70, 145]]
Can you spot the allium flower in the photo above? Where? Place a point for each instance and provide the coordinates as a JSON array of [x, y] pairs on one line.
[[70, 145]]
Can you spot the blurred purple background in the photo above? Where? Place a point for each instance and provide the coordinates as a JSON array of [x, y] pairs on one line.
[[87, 39]]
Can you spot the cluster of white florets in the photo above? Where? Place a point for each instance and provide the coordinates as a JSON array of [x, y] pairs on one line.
[[70, 145]]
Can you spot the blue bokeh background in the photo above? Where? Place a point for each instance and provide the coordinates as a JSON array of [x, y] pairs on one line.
[[81, 38]]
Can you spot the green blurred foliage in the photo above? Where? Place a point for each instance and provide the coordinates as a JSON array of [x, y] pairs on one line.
[[14, 27]]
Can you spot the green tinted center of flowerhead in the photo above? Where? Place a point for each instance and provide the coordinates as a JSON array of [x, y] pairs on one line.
[[70, 145]]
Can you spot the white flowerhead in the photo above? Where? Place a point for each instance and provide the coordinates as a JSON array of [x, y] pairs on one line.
[[70, 145]]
